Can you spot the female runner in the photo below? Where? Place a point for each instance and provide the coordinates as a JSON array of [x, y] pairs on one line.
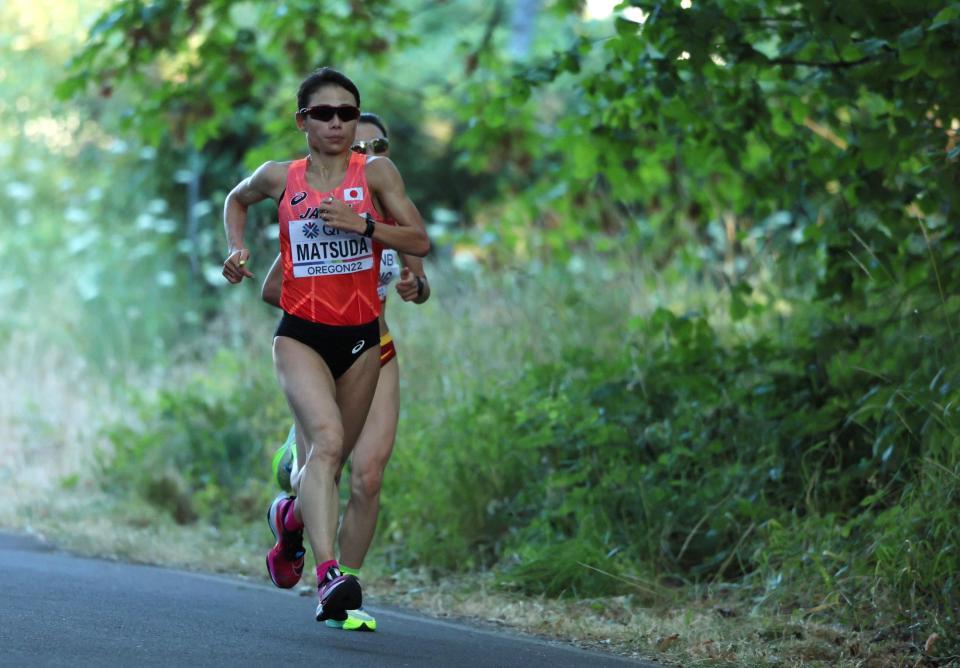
[[375, 445], [326, 348]]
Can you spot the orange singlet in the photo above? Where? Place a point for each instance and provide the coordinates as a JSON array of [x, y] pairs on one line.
[[329, 276]]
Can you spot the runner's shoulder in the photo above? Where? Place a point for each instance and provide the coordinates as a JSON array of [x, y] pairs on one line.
[[381, 170], [274, 171], [380, 164], [271, 177]]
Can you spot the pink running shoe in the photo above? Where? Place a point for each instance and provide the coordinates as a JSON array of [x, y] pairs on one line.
[[285, 560], [338, 593]]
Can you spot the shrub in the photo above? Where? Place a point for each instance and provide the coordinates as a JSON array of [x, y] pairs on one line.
[[200, 449]]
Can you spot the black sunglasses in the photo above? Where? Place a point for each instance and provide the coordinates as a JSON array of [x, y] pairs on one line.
[[377, 146], [325, 113]]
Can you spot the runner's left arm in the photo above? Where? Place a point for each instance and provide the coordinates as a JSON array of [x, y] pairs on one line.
[[407, 235]]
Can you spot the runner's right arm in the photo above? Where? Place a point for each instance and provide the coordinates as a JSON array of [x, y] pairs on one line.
[[267, 181]]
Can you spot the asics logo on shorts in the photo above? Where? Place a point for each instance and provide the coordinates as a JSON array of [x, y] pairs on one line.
[[357, 348]]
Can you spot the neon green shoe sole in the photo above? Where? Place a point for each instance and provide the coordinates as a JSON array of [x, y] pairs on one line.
[[357, 620], [284, 461]]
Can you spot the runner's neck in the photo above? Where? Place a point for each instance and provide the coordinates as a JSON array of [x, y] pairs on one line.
[[328, 167]]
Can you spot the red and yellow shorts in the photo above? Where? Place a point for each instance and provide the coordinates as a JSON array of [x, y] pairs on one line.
[[387, 349]]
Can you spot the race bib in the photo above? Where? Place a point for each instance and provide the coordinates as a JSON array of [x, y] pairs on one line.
[[389, 271], [320, 250]]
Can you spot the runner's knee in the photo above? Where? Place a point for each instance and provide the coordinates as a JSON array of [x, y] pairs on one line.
[[325, 444], [366, 481]]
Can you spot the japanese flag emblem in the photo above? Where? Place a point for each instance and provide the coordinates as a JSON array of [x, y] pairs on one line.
[[353, 194]]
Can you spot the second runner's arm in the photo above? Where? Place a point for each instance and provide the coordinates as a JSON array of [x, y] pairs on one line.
[[413, 285]]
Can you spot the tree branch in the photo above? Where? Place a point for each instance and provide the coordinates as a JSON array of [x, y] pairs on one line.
[[832, 65], [474, 58]]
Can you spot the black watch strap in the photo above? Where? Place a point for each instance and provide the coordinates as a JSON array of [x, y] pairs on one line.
[[370, 225], [419, 287]]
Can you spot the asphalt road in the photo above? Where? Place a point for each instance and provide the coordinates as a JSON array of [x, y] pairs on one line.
[[57, 609]]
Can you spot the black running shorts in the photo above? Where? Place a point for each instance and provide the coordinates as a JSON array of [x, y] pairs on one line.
[[339, 346]]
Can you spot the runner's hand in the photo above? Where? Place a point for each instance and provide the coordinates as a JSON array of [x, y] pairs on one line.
[[409, 288], [338, 214], [234, 267]]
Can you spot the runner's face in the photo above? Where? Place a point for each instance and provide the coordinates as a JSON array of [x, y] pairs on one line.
[[333, 136], [368, 131]]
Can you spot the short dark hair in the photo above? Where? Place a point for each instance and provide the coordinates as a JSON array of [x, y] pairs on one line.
[[324, 76], [373, 119]]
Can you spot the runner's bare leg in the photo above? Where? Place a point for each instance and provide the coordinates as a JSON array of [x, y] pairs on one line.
[[330, 414], [369, 460]]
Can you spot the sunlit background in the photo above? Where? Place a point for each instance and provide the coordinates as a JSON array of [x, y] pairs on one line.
[[693, 326]]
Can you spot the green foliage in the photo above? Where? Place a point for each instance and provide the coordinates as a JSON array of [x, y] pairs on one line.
[[918, 559], [795, 431], [206, 66], [843, 118], [212, 84], [810, 456], [194, 448]]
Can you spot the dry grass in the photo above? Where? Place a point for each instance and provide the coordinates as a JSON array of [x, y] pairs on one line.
[[52, 411], [51, 404], [691, 632]]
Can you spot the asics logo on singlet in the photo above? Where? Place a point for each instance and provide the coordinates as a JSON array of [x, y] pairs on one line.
[[357, 348], [299, 197], [311, 230]]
